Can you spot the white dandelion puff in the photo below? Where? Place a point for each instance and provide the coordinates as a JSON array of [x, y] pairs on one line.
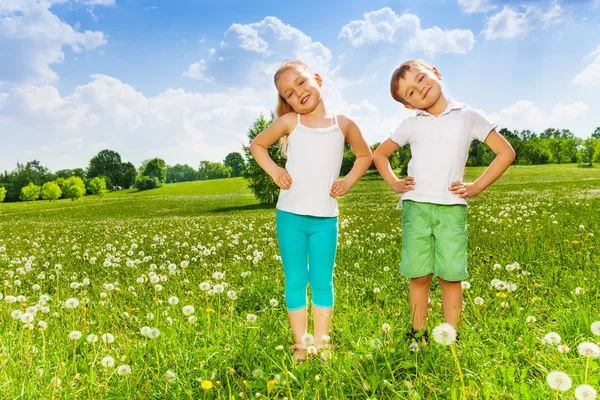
[[559, 381], [444, 334]]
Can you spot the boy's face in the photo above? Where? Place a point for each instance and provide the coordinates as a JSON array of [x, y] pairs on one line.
[[420, 88], [300, 88]]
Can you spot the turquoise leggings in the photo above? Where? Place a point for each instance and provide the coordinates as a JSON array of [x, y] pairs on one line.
[[303, 238]]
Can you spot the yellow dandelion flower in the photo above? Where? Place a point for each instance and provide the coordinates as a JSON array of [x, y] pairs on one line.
[[207, 385], [575, 242], [536, 298], [501, 295], [270, 386], [210, 310]]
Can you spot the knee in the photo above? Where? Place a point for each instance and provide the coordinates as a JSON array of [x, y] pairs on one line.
[[422, 281], [448, 284]]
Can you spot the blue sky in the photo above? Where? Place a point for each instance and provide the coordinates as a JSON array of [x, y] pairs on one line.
[[183, 80]]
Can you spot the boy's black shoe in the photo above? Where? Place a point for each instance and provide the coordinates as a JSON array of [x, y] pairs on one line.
[[417, 336]]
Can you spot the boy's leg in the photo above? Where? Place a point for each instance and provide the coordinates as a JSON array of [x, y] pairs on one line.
[[322, 247], [452, 301], [293, 249], [417, 257], [450, 261], [419, 299]]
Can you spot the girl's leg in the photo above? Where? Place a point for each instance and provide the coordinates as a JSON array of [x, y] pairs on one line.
[[322, 247], [419, 299], [293, 249]]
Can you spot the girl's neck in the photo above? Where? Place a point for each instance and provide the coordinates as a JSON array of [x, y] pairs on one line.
[[320, 112], [439, 106]]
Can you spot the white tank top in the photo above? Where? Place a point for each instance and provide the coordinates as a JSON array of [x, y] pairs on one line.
[[314, 160]]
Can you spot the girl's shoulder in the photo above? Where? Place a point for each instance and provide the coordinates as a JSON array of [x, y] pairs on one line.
[[289, 120]]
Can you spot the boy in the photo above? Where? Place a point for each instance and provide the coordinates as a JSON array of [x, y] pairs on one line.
[[434, 212]]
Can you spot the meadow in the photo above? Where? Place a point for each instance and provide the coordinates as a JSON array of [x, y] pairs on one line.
[[177, 293]]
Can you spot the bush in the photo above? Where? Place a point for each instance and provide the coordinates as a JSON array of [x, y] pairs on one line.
[[74, 188], [261, 184], [97, 186], [51, 191], [143, 182], [2, 193], [30, 192]]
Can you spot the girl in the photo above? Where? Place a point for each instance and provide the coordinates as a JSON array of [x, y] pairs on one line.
[[313, 138]]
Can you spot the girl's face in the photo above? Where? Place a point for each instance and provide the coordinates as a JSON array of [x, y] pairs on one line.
[[300, 88]]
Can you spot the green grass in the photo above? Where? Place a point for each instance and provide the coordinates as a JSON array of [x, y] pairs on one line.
[[540, 217]]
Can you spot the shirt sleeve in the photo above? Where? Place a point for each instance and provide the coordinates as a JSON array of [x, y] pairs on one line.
[[401, 135], [480, 126]]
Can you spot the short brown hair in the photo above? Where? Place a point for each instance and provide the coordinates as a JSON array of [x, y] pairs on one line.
[[400, 73]]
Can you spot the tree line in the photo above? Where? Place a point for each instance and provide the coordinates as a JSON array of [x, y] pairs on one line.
[[106, 171]]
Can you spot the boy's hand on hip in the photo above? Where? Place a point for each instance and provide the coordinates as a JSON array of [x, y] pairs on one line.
[[281, 178], [464, 190], [404, 185], [340, 188]]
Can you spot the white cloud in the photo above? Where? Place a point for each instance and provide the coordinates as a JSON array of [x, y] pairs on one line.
[[273, 39], [177, 125], [510, 23], [196, 71], [106, 3], [524, 114], [476, 6], [507, 24], [590, 76], [212, 52], [385, 25], [32, 38]]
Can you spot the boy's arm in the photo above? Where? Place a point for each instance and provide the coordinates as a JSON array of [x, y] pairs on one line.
[[382, 162], [261, 143], [364, 157], [505, 155]]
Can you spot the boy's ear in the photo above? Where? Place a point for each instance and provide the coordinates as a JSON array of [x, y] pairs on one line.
[[410, 107], [319, 79], [437, 73]]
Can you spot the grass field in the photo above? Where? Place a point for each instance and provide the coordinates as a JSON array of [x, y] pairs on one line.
[[135, 260]]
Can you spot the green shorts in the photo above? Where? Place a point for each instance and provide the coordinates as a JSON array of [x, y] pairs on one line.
[[434, 240]]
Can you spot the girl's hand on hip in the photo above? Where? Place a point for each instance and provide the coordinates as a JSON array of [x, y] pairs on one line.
[[282, 178], [340, 188]]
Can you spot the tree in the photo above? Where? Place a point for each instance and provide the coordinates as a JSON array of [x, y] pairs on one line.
[[213, 170], [51, 191], [259, 181], [347, 162], [181, 173], [2, 193], [128, 175], [97, 186], [106, 163], [155, 168], [67, 173], [236, 162], [596, 134], [74, 188], [30, 192]]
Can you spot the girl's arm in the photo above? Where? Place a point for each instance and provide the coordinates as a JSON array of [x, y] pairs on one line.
[[382, 162], [260, 144], [505, 155], [364, 157]]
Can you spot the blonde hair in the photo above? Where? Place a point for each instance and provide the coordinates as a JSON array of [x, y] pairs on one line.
[[400, 73], [283, 107]]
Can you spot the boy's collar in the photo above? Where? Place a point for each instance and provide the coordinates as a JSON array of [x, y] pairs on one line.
[[452, 105]]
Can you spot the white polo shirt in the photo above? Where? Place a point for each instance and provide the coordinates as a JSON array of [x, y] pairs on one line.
[[440, 148]]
